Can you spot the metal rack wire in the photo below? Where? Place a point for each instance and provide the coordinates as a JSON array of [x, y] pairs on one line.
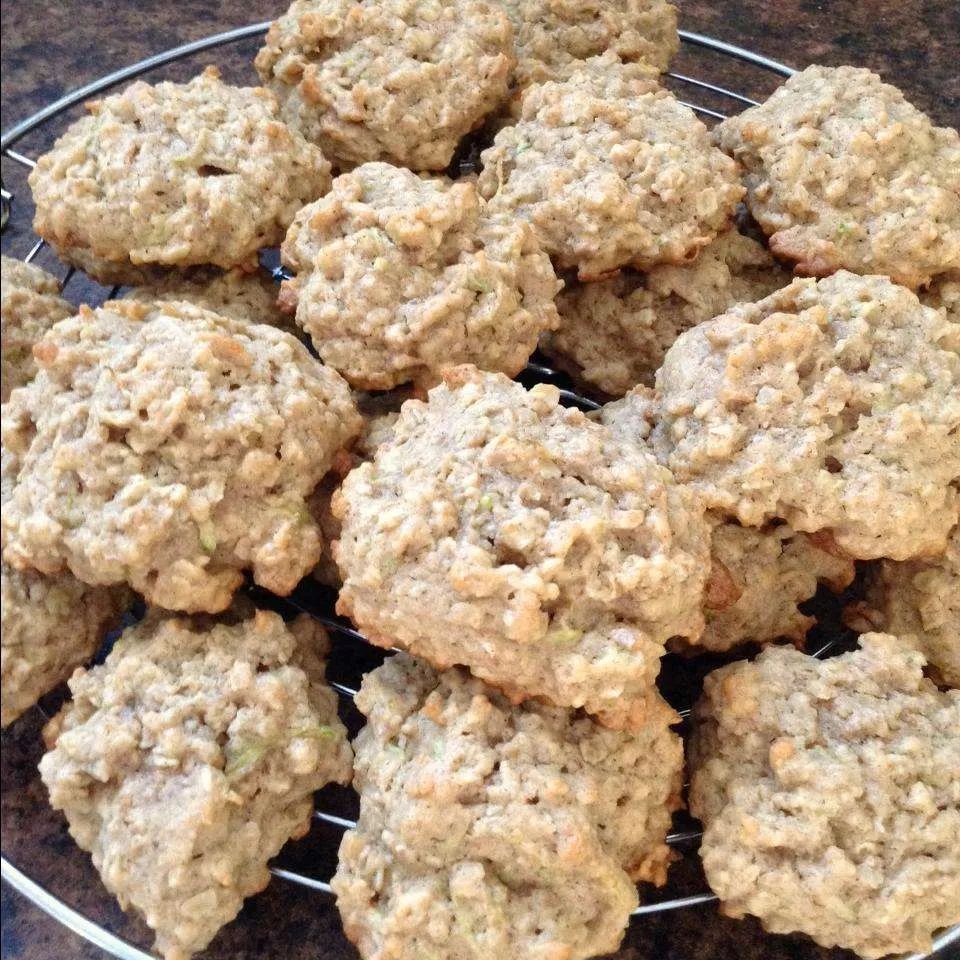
[[685, 85]]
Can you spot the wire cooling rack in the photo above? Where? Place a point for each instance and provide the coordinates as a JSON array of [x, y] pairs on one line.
[[316, 601]]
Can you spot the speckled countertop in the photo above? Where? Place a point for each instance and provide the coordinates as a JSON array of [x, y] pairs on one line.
[[50, 48]]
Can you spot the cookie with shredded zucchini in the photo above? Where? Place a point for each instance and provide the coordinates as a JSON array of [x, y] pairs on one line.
[[831, 404], [167, 447], [613, 334], [552, 38], [395, 80], [399, 277], [488, 829], [611, 170], [499, 530], [842, 172], [188, 759], [175, 174], [828, 794]]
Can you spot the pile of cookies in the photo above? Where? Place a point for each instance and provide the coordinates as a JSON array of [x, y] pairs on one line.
[[760, 437]]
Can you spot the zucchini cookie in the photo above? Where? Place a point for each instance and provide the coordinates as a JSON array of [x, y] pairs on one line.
[[613, 334], [920, 599], [832, 405], [396, 80], [552, 38], [235, 294], [172, 449], [489, 830], [828, 793], [174, 175], [611, 171], [399, 277], [499, 530], [377, 429], [51, 626], [944, 295], [842, 172], [758, 578], [30, 303], [187, 760]]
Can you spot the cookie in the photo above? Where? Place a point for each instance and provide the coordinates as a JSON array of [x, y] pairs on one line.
[[758, 579], [170, 448], [487, 829], [377, 429], [186, 761], [920, 601], [832, 405], [247, 297], [944, 295], [552, 38], [400, 277], [395, 80], [29, 305], [613, 334], [828, 795], [51, 626], [611, 171], [499, 530], [843, 173], [174, 175]]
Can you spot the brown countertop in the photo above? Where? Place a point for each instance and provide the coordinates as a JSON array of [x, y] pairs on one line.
[[51, 48]]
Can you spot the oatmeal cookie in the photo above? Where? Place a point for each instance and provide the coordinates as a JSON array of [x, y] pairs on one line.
[[611, 171], [499, 530], [613, 334], [396, 80], [842, 172], [400, 277], [552, 37], [377, 429], [828, 794], [633, 416], [945, 295], [236, 294], [488, 829], [174, 175], [172, 449], [51, 626], [831, 404], [187, 760], [759, 577], [920, 601], [30, 303]]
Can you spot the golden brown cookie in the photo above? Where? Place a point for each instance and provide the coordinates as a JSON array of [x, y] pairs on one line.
[[489, 829], [171, 448], [395, 80], [174, 175], [843, 173], [611, 171], [831, 404], [828, 795], [188, 759], [499, 530], [399, 277]]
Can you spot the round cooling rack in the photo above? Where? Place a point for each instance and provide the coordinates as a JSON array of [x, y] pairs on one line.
[[351, 655]]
